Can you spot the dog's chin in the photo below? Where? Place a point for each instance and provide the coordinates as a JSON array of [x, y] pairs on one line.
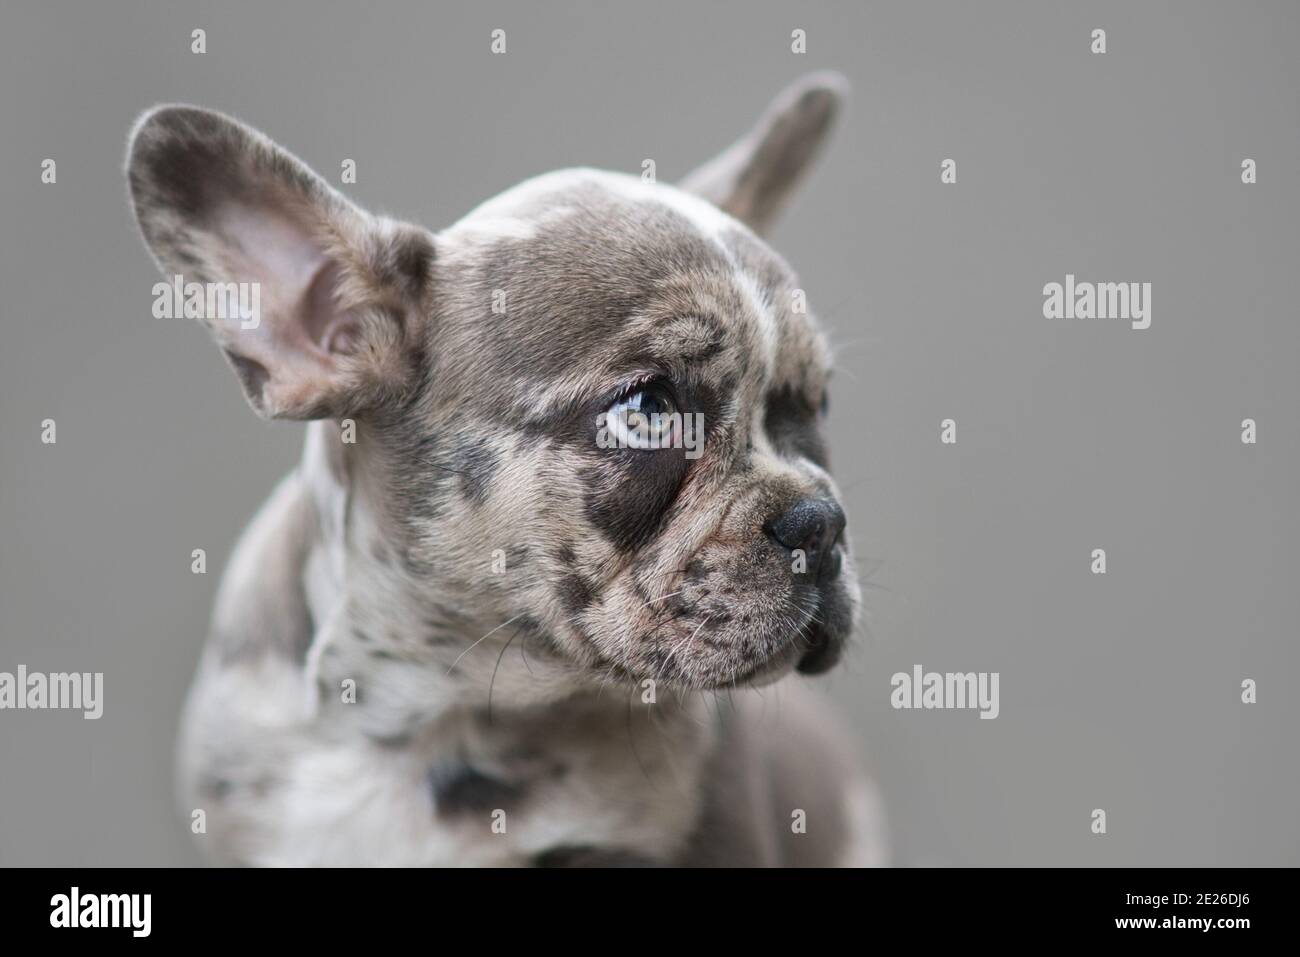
[[763, 636], [766, 672], [812, 654]]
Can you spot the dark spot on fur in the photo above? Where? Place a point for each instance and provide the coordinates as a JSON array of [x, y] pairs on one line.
[[577, 855], [475, 463], [534, 639], [675, 606], [445, 618], [460, 789], [576, 593], [418, 485], [528, 623]]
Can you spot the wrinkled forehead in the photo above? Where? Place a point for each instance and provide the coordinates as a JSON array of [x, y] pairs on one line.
[[570, 282]]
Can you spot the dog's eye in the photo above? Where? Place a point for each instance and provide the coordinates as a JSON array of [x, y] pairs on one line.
[[645, 419]]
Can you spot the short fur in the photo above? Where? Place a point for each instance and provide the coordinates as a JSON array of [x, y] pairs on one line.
[[502, 597]]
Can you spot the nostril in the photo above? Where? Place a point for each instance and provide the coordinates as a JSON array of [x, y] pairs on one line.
[[801, 526], [811, 526]]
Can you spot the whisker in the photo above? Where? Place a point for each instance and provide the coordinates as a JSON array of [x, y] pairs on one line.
[[662, 598], [484, 638], [495, 669]]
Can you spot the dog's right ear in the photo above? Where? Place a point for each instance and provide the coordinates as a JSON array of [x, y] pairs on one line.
[[340, 291], [754, 177]]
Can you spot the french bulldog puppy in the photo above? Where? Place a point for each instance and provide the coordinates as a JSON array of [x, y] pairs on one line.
[[470, 629]]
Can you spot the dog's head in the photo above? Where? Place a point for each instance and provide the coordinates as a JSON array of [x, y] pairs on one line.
[[592, 407]]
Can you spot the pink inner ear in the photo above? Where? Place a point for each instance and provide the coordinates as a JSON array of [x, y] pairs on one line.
[[275, 246], [331, 329], [298, 281]]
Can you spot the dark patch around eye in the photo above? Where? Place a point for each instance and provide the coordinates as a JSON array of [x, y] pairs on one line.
[[790, 421], [628, 490], [629, 505]]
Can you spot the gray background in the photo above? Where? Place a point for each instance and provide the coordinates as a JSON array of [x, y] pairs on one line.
[[1120, 692]]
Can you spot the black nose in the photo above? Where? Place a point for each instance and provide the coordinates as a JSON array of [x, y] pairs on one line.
[[810, 525]]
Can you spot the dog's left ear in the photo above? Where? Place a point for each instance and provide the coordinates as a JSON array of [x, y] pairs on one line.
[[753, 178]]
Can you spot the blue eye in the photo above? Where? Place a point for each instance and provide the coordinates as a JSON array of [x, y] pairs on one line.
[[646, 419]]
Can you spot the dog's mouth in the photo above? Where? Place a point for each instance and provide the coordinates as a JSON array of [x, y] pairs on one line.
[[806, 634], [735, 614], [812, 653]]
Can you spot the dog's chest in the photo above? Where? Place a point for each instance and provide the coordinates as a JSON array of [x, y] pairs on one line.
[[515, 791]]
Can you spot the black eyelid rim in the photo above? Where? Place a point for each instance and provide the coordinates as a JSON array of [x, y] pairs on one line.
[[640, 383]]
